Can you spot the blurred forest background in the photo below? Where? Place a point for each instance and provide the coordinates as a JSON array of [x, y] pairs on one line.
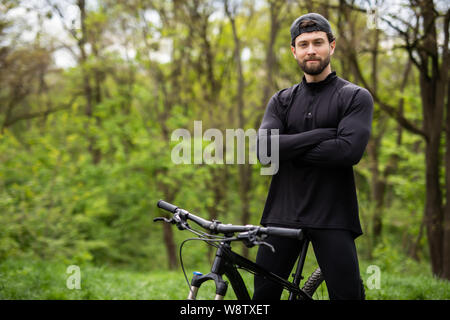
[[90, 92]]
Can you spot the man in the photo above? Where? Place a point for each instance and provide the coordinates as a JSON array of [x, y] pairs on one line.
[[324, 125]]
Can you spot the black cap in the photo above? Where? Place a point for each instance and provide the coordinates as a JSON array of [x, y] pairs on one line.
[[321, 24]]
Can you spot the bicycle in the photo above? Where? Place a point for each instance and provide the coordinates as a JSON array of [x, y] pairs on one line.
[[227, 262]]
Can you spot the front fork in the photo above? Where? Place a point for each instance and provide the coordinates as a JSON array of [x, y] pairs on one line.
[[215, 274], [198, 279]]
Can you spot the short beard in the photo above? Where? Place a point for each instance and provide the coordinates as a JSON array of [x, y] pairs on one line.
[[314, 69]]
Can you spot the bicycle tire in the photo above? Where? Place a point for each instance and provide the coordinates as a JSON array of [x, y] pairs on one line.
[[316, 279], [313, 282]]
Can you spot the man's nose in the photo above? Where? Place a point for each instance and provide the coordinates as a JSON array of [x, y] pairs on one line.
[[310, 50]]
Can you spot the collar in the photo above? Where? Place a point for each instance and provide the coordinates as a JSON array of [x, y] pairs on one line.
[[320, 84]]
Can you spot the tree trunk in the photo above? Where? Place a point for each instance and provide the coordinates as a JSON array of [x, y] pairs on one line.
[[378, 184], [432, 115], [433, 203], [433, 80], [271, 60], [170, 246], [245, 170], [446, 219], [88, 91], [245, 183], [446, 224], [218, 185], [169, 243]]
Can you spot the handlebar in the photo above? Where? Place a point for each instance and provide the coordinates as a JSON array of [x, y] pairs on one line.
[[218, 227], [167, 206]]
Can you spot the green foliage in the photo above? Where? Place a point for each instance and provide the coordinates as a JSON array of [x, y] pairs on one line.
[[80, 186]]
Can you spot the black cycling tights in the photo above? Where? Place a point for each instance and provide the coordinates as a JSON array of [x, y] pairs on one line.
[[335, 252]]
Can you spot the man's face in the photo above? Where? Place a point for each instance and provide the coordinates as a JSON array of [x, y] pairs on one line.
[[313, 51]]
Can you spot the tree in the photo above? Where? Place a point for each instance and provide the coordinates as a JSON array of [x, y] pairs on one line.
[[422, 41]]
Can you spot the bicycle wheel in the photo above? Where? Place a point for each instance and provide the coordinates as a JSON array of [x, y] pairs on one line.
[[316, 280]]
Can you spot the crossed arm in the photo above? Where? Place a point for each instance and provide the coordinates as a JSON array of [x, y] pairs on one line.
[[341, 146]]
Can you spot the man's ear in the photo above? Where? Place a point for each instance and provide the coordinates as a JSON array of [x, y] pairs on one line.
[[293, 51], [333, 46]]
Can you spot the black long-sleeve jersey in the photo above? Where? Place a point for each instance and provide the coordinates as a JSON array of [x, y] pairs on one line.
[[324, 128]]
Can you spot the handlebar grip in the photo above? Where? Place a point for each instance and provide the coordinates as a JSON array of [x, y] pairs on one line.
[[166, 206], [284, 232]]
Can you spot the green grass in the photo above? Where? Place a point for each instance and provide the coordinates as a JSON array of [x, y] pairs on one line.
[[28, 279], [24, 279], [421, 287]]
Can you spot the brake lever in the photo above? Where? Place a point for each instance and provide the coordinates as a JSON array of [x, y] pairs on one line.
[[252, 239], [163, 219], [181, 224], [263, 243]]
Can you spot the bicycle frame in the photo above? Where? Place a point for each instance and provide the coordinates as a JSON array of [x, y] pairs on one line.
[[226, 262]]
